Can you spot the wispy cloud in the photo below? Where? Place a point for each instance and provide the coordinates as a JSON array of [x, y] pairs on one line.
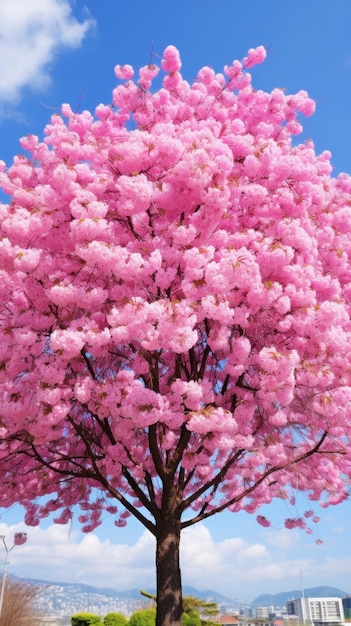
[[31, 35]]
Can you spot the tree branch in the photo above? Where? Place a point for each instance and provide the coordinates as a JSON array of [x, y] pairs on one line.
[[252, 487]]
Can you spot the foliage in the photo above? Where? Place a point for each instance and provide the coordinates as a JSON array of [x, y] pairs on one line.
[[86, 619], [144, 617], [191, 618], [194, 608], [19, 604], [115, 619], [175, 311], [207, 610], [149, 595]]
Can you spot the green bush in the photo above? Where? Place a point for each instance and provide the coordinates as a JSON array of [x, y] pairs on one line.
[[115, 619], [146, 617], [86, 619], [192, 618]]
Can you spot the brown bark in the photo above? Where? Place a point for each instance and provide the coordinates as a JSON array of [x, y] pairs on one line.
[[169, 584], [168, 576]]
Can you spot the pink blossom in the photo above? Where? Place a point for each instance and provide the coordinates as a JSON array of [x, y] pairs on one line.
[[68, 343], [289, 523], [124, 71], [146, 75], [64, 518], [171, 60], [120, 523], [254, 56], [263, 521], [20, 539]]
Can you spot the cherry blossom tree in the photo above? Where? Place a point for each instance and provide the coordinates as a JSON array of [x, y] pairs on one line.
[[175, 311]]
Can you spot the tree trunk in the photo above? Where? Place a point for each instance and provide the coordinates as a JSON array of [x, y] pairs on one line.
[[169, 585]]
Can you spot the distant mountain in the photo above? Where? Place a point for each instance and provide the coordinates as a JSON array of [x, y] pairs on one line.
[[208, 594], [134, 594], [130, 594], [280, 599], [60, 600]]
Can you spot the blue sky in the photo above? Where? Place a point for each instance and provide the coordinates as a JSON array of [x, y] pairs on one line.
[[59, 51]]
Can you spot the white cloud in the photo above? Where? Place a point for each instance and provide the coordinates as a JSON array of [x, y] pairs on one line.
[[233, 566], [31, 34], [283, 539], [56, 554], [200, 552]]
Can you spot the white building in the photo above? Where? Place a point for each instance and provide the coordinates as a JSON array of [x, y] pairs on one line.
[[317, 611], [264, 611]]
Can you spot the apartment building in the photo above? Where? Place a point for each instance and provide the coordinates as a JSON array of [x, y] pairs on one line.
[[317, 611], [346, 602], [264, 611]]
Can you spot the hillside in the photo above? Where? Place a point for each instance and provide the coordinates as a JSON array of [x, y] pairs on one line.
[[280, 599], [64, 599]]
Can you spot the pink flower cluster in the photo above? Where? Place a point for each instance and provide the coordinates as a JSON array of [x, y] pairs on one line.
[[19, 539], [175, 300]]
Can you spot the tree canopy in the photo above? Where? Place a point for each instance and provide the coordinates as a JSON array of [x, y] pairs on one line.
[[86, 619], [144, 617], [115, 619], [175, 311]]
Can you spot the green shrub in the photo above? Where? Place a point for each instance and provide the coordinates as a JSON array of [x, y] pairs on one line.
[[146, 617], [86, 619], [115, 619], [192, 618]]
